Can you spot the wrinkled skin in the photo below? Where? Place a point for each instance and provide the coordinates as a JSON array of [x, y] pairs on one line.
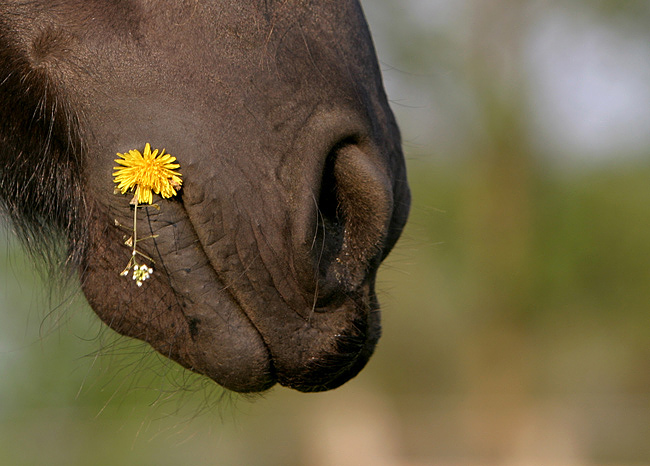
[[294, 181]]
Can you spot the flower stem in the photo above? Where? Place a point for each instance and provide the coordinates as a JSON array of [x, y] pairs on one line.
[[135, 219]]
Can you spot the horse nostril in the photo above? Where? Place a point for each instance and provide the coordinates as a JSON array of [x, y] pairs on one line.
[[354, 209]]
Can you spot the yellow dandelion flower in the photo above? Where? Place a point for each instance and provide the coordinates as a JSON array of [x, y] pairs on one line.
[[147, 173]]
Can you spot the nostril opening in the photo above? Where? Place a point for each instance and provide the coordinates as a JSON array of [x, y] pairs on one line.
[[354, 207], [330, 221], [328, 204]]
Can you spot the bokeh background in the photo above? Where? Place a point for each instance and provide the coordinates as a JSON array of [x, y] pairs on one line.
[[516, 306]]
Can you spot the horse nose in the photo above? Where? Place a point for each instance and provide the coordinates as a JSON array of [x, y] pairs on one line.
[[352, 217]]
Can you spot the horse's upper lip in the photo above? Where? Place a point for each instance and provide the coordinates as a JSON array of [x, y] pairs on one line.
[[348, 354]]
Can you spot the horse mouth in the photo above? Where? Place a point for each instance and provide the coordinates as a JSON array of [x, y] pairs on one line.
[[308, 359], [242, 332], [314, 350]]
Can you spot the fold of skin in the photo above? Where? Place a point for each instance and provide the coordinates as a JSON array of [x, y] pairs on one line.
[[294, 186]]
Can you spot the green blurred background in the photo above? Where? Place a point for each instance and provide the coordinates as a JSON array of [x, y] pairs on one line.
[[515, 308]]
